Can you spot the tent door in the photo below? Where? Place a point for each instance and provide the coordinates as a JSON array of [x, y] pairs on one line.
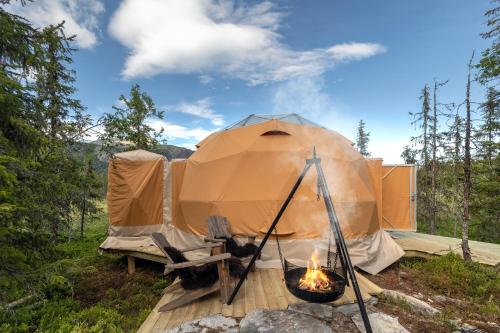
[[399, 197]]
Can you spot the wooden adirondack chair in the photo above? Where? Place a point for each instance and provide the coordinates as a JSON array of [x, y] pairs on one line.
[[218, 256], [219, 229]]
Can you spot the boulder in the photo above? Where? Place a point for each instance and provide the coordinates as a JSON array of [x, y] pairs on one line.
[[282, 321], [414, 303], [215, 323], [380, 323], [318, 310], [352, 309]]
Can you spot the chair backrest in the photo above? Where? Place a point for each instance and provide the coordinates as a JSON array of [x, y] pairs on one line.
[[218, 227], [161, 242]]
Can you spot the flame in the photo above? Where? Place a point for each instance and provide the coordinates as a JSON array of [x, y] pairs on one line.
[[315, 279]]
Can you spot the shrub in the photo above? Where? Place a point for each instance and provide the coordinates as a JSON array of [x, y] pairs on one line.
[[452, 276], [57, 287]]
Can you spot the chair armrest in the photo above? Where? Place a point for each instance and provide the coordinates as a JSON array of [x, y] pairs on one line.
[[199, 247], [206, 260]]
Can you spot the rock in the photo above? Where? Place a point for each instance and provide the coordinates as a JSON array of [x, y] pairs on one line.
[[416, 304], [215, 323], [448, 300], [418, 295], [467, 327], [380, 323], [320, 311], [281, 321], [352, 309]]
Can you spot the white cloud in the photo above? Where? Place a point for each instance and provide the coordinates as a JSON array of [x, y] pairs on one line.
[[307, 96], [205, 79], [218, 37], [174, 131], [80, 17], [202, 109]]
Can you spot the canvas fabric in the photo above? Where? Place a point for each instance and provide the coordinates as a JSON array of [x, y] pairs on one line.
[[245, 174]]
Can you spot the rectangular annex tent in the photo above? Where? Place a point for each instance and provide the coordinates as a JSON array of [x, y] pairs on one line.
[[399, 197]]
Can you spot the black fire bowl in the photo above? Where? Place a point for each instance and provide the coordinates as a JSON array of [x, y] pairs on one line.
[[292, 277]]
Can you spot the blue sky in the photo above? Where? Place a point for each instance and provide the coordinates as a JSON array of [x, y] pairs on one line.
[[211, 63]]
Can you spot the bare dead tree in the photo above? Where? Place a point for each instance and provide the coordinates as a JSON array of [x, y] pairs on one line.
[[434, 149], [467, 168]]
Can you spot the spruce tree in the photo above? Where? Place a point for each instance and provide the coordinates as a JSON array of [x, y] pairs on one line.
[[486, 170], [489, 64], [423, 120], [362, 139]]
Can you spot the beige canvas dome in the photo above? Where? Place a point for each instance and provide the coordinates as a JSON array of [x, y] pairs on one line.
[[246, 173]]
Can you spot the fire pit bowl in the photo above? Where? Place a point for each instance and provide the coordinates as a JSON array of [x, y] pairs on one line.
[[294, 273]]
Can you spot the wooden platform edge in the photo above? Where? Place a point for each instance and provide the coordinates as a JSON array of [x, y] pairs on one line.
[[140, 255]]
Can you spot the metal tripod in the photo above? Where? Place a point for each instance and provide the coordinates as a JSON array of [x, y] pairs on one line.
[[334, 225]]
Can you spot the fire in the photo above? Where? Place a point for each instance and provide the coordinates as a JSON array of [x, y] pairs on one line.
[[315, 279]]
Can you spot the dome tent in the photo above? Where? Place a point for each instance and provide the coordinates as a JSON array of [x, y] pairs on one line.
[[246, 171]]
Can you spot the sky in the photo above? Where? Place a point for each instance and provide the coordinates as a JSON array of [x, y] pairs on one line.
[[210, 63]]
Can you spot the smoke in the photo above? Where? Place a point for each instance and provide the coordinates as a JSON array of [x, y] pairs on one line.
[[347, 177], [308, 97]]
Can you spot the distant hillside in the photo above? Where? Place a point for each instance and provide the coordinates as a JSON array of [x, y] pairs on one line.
[[172, 152], [101, 162]]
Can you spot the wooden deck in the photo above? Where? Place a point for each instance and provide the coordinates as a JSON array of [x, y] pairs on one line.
[[417, 244], [263, 289]]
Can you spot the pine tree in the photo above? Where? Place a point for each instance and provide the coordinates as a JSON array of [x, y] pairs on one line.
[[128, 125], [489, 64], [61, 118], [424, 121], [362, 139], [409, 155], [435, 138], [488, 131], [486, 167]]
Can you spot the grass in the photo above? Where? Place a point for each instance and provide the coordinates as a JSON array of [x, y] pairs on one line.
[[79, 290], [450, 275]]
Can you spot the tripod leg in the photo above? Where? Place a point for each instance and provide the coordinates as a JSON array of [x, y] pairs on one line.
[[339, 238], [271, 228]]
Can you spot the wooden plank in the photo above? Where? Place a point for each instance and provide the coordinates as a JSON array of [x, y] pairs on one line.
[[279, 293], [272, 301], [154, 316], [188, 297], [227, 310], [177, 317], [250, 292], [203, 307], [223, 271], [199, 247], [142, 255], [215, 305], [288, 295], [131, 264], [260, 295], [202, 261], [239, 302]]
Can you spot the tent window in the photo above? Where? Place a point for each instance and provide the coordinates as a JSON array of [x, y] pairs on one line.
[[276, 132]]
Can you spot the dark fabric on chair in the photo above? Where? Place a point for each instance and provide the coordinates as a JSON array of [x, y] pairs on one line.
[[204, 275]]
